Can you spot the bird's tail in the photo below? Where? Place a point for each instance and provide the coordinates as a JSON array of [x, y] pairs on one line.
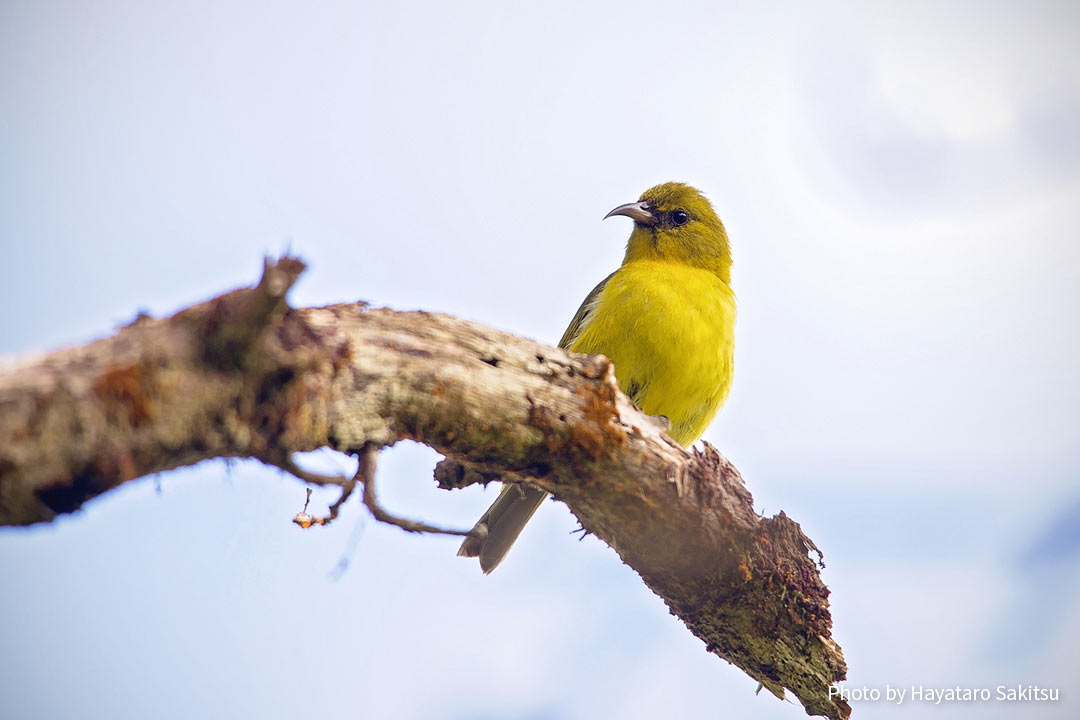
[[500, 526]]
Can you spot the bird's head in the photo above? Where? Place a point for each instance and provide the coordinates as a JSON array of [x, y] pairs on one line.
[[675, 222]]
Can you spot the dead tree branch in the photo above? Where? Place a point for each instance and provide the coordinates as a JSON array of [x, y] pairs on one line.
[[242, 375]]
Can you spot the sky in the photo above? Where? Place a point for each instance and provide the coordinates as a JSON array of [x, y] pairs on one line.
[[901, 185]]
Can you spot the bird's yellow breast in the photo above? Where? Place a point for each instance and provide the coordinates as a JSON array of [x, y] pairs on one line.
[[669, 328]]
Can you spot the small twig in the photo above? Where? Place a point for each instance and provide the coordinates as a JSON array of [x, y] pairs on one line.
[[302, 518], [345, 493], [366, 472], [584, 533], [287, 464]]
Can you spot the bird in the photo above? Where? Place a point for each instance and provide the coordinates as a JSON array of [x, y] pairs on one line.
[[666, 320]]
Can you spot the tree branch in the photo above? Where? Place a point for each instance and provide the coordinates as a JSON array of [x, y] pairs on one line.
[[242, 375]]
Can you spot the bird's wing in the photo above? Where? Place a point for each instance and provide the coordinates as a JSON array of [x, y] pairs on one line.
[[582, 315]]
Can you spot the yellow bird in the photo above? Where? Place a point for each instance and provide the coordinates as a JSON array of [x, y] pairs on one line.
[[665, 318]]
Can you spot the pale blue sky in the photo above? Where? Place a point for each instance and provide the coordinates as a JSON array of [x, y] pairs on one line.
[[901, 183]]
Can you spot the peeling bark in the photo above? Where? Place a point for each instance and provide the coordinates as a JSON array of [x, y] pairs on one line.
[[243, 375]]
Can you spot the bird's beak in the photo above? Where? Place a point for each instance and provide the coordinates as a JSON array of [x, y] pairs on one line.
[[639, 211]]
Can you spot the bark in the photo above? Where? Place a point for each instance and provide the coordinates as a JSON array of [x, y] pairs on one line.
[[243, 375]]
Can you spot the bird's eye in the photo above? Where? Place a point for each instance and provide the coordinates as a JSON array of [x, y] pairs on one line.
[[680, 217]]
